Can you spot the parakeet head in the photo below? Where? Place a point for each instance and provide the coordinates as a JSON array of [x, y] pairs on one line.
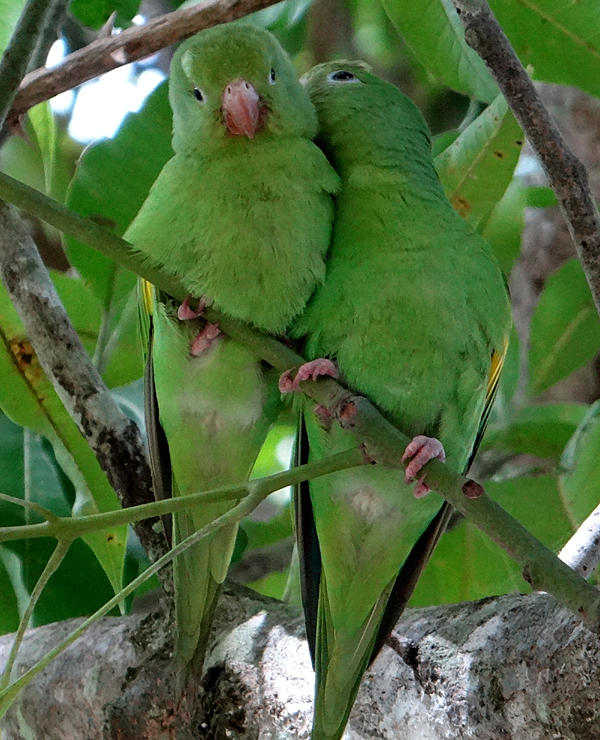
[[235, 82], [359, 114]]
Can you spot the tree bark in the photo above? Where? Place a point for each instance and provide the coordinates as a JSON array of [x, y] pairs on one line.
[[518, 667]]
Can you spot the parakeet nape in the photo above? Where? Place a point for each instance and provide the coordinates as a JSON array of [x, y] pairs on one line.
[[242, 216], [414, 314]]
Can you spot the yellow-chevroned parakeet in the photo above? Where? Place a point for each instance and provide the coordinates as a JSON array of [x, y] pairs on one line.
[[414, 312], [242, 215]]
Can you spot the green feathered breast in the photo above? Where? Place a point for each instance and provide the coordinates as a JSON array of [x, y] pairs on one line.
[[413, 310]]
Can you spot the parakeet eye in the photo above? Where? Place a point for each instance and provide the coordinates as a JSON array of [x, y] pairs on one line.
[[272, 77], [199, 95], [343, 76]]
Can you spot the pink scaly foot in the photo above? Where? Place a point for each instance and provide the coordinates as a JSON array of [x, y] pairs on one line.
[[186, 313], [310, 370], [204, 339], [421, 449]]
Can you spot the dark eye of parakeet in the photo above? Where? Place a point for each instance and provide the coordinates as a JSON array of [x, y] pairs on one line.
[[199, 95], [272, 76], [343, 76]]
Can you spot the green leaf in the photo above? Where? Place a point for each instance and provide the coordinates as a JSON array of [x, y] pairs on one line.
[[558, 38], [272, 585], [10, 10], [538, 430], [80, 585], [44, 127], [579, 481], [111, 182], [435, 35], [84, 310], [95, 13], [477, 168], [28, 398], [565, 333], [504, 227]]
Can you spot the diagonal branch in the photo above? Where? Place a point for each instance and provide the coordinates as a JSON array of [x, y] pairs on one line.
[[132, 44], [113, 437], [383, 442], [566, 174]]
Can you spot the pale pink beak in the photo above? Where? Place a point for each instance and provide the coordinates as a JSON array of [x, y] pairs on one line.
[[241, 108]]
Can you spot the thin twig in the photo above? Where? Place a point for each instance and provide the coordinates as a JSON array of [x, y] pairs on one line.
[[113, 437], [73, 527], [566, 174], [132, 44], [16, 57], [38, 508], [258, 490], [383, 442]]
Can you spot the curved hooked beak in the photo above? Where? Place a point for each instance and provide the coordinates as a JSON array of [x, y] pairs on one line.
[[240, 105]]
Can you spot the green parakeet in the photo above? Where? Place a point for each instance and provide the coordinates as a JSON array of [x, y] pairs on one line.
[[242, 215], [415, 314]]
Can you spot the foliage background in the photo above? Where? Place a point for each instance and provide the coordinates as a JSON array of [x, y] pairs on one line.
[[540, 456]]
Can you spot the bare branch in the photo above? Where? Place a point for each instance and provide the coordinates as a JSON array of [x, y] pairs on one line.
[[582, 551], [113, 437], [566, 174], [132, 44], [495, 668]]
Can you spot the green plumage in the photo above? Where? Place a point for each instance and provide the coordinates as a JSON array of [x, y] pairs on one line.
[[413, 308], [245, 222]]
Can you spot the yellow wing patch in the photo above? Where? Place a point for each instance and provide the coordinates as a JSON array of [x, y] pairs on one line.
[[490, 395], [147, 294]]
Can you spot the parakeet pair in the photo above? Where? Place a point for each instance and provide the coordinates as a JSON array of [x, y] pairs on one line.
[[414, 311], [242, 216]]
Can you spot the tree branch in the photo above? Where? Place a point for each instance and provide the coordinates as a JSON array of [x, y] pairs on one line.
[[495, 668], [566, 174], [132, 44], [383, 442], [72, 527], [115, 439], [17, 54]]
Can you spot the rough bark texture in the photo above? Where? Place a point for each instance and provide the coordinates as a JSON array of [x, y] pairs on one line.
[[518, 667], [546, 243]]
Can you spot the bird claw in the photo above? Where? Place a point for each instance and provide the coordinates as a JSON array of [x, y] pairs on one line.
[[421, 449], [204, 340], [186, 313], [308, 371]]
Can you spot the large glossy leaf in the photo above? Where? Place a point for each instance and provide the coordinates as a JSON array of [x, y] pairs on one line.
[[10, 10], [95, 13], [558, 38], [434, 33], [504, 227], [28, 398], [112, 181], [565, 332], [467, 565], [538, 430], [580, 466], [85, 312], [478, 166], [80, 585]]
